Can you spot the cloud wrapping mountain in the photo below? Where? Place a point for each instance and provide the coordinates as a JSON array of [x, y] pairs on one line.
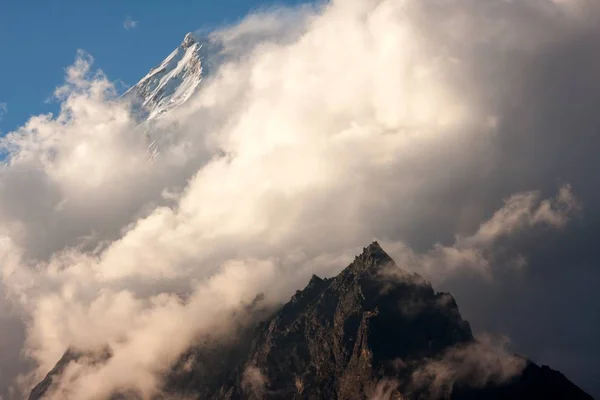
[[319, 129]]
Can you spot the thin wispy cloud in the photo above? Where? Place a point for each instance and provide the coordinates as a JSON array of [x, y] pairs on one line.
[[130, 23], [3, 110]]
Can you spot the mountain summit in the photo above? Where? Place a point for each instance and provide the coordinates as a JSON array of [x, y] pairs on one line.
[[372, 332], [174, 80], [171, 84]]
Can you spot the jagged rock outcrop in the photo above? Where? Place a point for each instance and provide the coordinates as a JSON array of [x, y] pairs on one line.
[[372, 332], [338, 338]]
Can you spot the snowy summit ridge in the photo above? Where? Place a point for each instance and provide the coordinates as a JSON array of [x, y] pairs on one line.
[[172, 82]]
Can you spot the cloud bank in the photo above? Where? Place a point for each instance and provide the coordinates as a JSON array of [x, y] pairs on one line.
[[321, 129]]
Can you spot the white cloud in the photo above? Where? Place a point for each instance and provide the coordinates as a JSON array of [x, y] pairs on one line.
[[477, 364], [316, 135], [130, 23], [521, 212]]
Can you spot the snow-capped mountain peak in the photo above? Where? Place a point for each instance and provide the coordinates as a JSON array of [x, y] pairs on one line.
[[189, 40], [170, 83]]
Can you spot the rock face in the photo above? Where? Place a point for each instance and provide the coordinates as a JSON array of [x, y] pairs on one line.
[[368, 333]]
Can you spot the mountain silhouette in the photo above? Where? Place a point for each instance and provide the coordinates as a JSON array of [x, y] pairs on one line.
[[374, 332]]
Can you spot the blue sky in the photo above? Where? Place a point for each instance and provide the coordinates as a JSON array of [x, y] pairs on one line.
[[38, 39]]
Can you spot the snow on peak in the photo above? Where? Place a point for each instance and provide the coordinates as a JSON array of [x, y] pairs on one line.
[[170, 83], [189, 40]]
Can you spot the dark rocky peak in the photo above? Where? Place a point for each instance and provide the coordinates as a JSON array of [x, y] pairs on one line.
[[375, 252], [314, 281], [373, 256], [315, 285], [365, 274], [338, 337], [365, 332], [302, 299]]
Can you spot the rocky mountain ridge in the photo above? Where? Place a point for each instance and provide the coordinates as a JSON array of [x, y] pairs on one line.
[[372, 332]]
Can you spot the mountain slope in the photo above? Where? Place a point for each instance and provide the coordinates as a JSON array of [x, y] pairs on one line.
[[374, 331]]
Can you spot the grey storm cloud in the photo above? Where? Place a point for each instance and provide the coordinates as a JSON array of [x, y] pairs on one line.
[[463, 135]]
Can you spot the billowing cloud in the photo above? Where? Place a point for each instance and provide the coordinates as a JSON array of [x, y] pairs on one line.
[[321, 129], [521, 212], [130, 23]]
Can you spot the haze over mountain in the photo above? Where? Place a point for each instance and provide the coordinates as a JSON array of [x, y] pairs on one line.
[[142, 233]]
